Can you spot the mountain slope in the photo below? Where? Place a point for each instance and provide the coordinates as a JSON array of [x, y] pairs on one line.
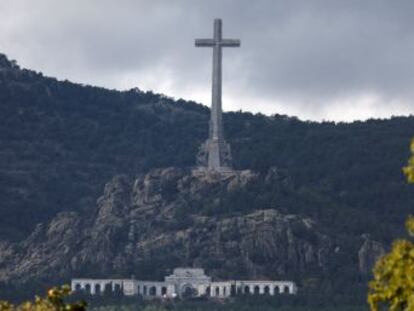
[[60, 143], [150, 224]]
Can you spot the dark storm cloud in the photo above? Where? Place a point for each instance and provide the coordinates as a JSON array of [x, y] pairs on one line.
[[319, 59]]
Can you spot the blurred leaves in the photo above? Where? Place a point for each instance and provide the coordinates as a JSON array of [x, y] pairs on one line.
[[409, 169], [54, 301], [393, 284]]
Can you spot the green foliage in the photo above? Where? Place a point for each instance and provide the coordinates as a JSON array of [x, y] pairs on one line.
[[61, 142], [409, 169], [54, 301], [393, 284], [248, 303]]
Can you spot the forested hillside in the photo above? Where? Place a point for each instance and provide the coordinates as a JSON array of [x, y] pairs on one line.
[[61, 142]]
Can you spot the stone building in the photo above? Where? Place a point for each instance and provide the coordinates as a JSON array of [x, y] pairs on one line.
[[184, 282]]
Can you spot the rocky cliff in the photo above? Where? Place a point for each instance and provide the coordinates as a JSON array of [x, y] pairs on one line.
[[145, 221]]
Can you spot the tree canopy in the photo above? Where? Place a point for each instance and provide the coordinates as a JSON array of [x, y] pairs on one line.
[[393, 284], [54, 301]]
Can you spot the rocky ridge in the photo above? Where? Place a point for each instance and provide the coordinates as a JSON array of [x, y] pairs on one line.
[[144, 222]]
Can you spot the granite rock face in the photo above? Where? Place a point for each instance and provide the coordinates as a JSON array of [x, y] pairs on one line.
[[142, 222]]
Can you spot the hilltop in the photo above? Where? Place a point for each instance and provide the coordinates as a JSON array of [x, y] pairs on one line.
[[327, 198]]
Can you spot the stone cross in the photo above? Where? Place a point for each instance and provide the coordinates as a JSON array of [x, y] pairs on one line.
[[216, 151]]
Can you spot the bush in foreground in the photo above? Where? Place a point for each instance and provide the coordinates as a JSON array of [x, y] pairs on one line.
[[54, 301], [393, 284]]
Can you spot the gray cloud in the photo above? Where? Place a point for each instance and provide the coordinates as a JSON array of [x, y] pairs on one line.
[[320, 59]]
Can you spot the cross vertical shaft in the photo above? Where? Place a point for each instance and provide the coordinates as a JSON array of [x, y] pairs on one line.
[[215, 152], [216, 109]]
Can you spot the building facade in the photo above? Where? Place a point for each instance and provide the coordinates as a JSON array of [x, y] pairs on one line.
[[184, 282]]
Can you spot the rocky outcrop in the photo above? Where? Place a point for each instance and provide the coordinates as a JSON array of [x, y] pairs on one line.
[[144, 224]]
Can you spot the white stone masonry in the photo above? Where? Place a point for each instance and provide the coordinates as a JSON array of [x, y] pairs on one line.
[[184, 282]]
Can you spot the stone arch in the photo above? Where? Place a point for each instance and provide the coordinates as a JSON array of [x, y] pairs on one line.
[[277, 289], [247, 289], [256, 290], [78, 287], [117, 288], [286, 290], [98, 289], [153, 291], [208, 291], [217, 291], [267, 290], [188, 291], [224, 291], [163, 291], [107, 288], [145, 290], [239, 290], [88, 288], [233, 290]]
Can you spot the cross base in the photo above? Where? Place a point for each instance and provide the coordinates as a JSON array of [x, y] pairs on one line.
[[214, 155]]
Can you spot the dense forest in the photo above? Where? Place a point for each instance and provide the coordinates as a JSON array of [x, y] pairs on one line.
[[61, 142]]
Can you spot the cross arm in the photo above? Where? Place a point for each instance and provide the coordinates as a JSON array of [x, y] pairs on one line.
[[230, 43], [204, 42]]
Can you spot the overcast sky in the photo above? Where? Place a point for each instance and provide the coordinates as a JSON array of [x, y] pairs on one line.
[[316, 59]]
